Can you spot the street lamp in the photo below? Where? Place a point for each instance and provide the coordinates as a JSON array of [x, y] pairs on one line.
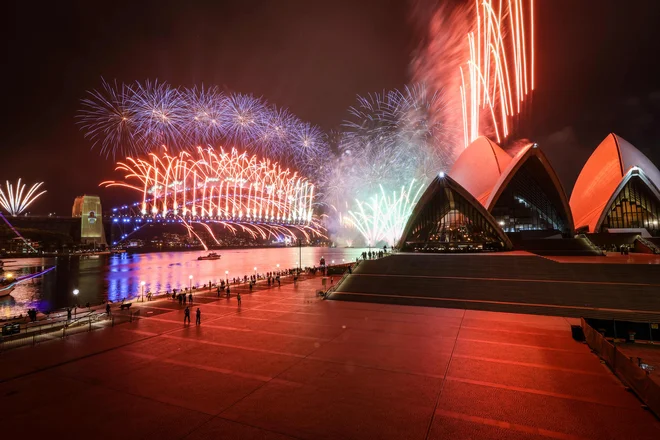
[[142, 286], [227, 276], [255, 272], [190, 283], [75, 310]]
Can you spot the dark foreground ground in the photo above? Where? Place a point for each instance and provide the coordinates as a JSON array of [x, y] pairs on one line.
[[613, 287], [288, 365]]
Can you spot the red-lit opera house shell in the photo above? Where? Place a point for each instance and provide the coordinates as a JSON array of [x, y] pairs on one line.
[[479, 167], [532, 160], [611, 166]]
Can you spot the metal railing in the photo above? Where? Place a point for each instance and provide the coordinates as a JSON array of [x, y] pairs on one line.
[[33, 333], [625, 368]]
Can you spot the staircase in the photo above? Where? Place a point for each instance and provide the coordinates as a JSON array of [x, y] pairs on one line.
[[646, 246]]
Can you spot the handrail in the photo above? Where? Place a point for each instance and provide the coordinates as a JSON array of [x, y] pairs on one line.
[[649, 244]]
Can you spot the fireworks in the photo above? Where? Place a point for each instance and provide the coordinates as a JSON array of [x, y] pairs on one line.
[[383, 217], [232, 189], [498, 77], [16, 200], [482, 55], [138, 118], [389, 139]]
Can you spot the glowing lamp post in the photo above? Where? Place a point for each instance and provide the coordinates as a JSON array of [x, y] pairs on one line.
[[278, 268], [142, 287], [190, 283], [255, 272], [75, 310], [227, 276]]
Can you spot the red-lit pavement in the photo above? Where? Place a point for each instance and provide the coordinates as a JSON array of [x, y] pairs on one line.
[[289, 365]]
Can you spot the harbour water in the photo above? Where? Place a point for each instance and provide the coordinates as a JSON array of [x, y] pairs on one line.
[[114, 277]]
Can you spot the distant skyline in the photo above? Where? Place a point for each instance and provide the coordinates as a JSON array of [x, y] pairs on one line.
[[596, 72]]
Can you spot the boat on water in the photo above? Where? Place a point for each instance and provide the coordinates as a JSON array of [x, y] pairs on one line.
[[211, 256]]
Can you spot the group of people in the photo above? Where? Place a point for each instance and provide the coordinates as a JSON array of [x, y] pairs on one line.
[[186, 316], [182, 297], [32, 314], [374, 254]]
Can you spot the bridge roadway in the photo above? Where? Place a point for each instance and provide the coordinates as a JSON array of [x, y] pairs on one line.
[[288, 365], [612, 287]]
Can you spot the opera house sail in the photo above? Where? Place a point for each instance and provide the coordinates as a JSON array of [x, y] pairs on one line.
[[617, 190], [448, 218], [529, 196]]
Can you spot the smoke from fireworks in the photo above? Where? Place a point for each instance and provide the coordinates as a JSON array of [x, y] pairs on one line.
[[16, 199], [141, 117], [389, 139], [483, 54]]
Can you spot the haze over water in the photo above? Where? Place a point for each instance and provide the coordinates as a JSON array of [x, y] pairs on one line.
[[115, 277]]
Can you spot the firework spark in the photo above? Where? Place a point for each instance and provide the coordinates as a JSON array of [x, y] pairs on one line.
[[383, 217], [497, 79], [388, 139], [138, 118], [16, 200], [228, 188]]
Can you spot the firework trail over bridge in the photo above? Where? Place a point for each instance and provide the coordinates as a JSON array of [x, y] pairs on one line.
[[237, 191]]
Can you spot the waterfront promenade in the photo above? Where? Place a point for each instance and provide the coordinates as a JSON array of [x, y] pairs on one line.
[[287, 364]]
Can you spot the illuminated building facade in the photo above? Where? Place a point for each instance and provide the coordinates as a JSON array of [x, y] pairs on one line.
[[617, 190], [88, 209], [448, 218]]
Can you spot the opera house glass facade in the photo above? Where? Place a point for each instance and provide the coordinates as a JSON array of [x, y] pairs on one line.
[[635, 206], [527, 202], [448, 219]]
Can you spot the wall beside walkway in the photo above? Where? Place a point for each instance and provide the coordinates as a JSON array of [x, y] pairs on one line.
[[626, 369]]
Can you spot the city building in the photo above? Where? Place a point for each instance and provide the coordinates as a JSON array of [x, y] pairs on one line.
[[88, 209], [491, 200]]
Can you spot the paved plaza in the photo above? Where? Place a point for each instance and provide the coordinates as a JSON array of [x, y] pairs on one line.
[[287, 364]]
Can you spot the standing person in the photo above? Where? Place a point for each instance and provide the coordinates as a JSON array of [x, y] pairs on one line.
[[186, 316], [198, 321], [218, 291], [107, 309], [68, 314], [227, 291], [190, 299], [238, 297]]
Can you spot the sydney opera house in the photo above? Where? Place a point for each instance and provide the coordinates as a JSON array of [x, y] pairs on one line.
[[491, 200]]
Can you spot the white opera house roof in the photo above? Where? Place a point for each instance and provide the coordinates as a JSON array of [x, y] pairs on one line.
[[617, 188], [522, 192]]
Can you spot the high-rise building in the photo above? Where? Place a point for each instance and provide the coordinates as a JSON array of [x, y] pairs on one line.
[[88, 208]]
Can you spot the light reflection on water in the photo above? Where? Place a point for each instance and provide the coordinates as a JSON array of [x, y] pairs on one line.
[[118, 276]]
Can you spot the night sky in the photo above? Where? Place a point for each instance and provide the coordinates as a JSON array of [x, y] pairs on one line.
[[597, 71]]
